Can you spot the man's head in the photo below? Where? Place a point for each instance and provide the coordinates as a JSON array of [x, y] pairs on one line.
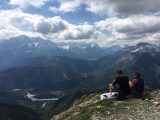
[[137, 74], [119, 73]]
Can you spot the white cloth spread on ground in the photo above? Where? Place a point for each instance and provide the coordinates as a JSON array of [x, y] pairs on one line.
[[109, 95]]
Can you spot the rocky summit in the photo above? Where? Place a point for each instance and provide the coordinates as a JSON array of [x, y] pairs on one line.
[[90, 108]]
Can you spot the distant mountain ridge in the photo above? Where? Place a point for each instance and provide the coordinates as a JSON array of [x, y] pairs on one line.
[[20, 48], [84, 74], [89, 50]]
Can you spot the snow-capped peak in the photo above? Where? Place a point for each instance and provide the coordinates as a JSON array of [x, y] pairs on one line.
[[143, 47]]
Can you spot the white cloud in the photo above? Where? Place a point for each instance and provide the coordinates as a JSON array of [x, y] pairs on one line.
[[36, 23], [49, 25], [110, 7], [133, 27], [8, 31], [79, 32], [135, 24], [67, 6], [54, 28], [16, 22], [26, 3]]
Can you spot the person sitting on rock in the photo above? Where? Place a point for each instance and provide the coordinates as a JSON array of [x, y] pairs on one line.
[[137, 85], [124, 86]]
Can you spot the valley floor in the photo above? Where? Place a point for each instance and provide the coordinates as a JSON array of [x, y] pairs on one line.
[[90, 108]]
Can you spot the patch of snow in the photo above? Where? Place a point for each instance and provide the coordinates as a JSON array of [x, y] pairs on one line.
[[65, 47], [135, 50], [29, 45], [43, 105], [145, 48], [122, 46], [36, 44], [21, 45], [82, 47], [126, 49], [93, 45], [64, 74], [30, 51]]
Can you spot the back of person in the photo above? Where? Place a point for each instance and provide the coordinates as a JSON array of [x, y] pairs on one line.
[[123, 83], [139, 87]]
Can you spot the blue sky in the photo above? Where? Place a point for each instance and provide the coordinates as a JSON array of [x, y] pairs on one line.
[[105, 22]]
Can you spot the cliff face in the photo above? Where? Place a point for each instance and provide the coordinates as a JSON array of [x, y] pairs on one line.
[[90, 108]]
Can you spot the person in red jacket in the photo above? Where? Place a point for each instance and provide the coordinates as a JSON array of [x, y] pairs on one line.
[[137, 84]]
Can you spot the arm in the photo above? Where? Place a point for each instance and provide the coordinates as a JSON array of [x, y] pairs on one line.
[[130, 84], [111, 86], [134, 82]]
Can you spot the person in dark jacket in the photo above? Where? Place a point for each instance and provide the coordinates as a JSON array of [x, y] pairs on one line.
[[124, 85], [137, 84]]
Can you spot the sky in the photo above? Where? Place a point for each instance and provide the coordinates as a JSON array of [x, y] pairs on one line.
[[105, 22]]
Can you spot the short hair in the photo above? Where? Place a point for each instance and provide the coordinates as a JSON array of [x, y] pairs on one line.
[[120, 72], [138, 74]]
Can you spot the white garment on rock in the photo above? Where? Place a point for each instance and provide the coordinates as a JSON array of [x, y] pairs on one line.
[[108, 95]]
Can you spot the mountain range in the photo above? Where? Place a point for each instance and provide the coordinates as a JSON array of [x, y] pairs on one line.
[[90, 50], [17, 49], [45, 73], [66, 71]]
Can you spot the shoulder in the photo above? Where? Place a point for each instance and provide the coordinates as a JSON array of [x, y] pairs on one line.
[[139, 78], [121, 78], [135, 80], [126, 77], [117, 78]]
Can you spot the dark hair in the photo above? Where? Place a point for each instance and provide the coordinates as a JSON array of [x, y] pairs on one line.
[[138, 74], [120, 72]]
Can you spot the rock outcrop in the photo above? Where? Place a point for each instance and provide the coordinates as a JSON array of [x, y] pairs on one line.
[[90, 108]]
